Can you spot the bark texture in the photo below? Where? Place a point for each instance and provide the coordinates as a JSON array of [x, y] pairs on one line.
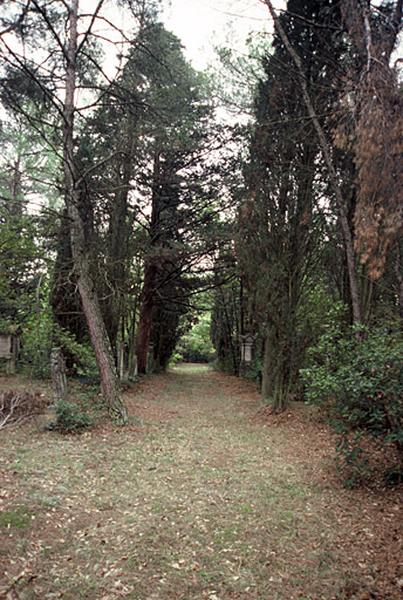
[[146, 318]]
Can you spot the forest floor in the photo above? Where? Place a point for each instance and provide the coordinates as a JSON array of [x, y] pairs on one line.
[[200, 497]]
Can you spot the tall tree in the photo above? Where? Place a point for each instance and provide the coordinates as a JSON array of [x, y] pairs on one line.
[[178, 140], [373, 125], [86, 286], [280, 224], [326, 150], [46, 76]]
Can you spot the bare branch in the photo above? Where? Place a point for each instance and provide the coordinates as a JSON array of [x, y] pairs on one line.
[[43, 13], [18, 22], [89, 30]]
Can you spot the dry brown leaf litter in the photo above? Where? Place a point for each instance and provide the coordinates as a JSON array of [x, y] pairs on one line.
[[206, 498]]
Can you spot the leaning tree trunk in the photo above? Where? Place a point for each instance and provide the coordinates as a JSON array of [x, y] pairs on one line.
[[325, 147], [96, 326]]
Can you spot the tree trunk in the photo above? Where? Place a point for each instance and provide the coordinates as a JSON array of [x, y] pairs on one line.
[[15, 188], [118, 238], [276, 375], [132, 358], [146, 316], [99, 338], [325, 147], [399, 277], [150, 274], [267, 388]]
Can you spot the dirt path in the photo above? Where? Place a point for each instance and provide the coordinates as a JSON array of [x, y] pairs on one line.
[[196, 499]]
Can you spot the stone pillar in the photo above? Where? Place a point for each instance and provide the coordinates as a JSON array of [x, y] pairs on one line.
[[247, 351], [59, 379]]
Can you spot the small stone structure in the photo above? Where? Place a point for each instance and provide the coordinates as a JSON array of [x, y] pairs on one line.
[[59, 379], [247, 344], [9, 348]]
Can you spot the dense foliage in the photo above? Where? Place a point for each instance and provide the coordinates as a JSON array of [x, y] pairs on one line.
[[358, 381], [69, 418], [195, 345]]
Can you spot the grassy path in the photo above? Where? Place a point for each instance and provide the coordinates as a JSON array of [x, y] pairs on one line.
[[197, 499]]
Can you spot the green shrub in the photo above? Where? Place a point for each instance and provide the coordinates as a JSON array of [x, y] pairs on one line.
[[195, 345], [175, 359], [40, 334], [358, 380], [83, 354], [70, 419], [37, 343]]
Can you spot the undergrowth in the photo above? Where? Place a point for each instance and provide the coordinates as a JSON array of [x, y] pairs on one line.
[[357, 379]]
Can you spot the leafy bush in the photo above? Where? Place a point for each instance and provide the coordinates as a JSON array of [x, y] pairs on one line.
[[175, 359], [196, 346], [36, 341], [40, 334], [357, 378], [69, 418], [83, 354]]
